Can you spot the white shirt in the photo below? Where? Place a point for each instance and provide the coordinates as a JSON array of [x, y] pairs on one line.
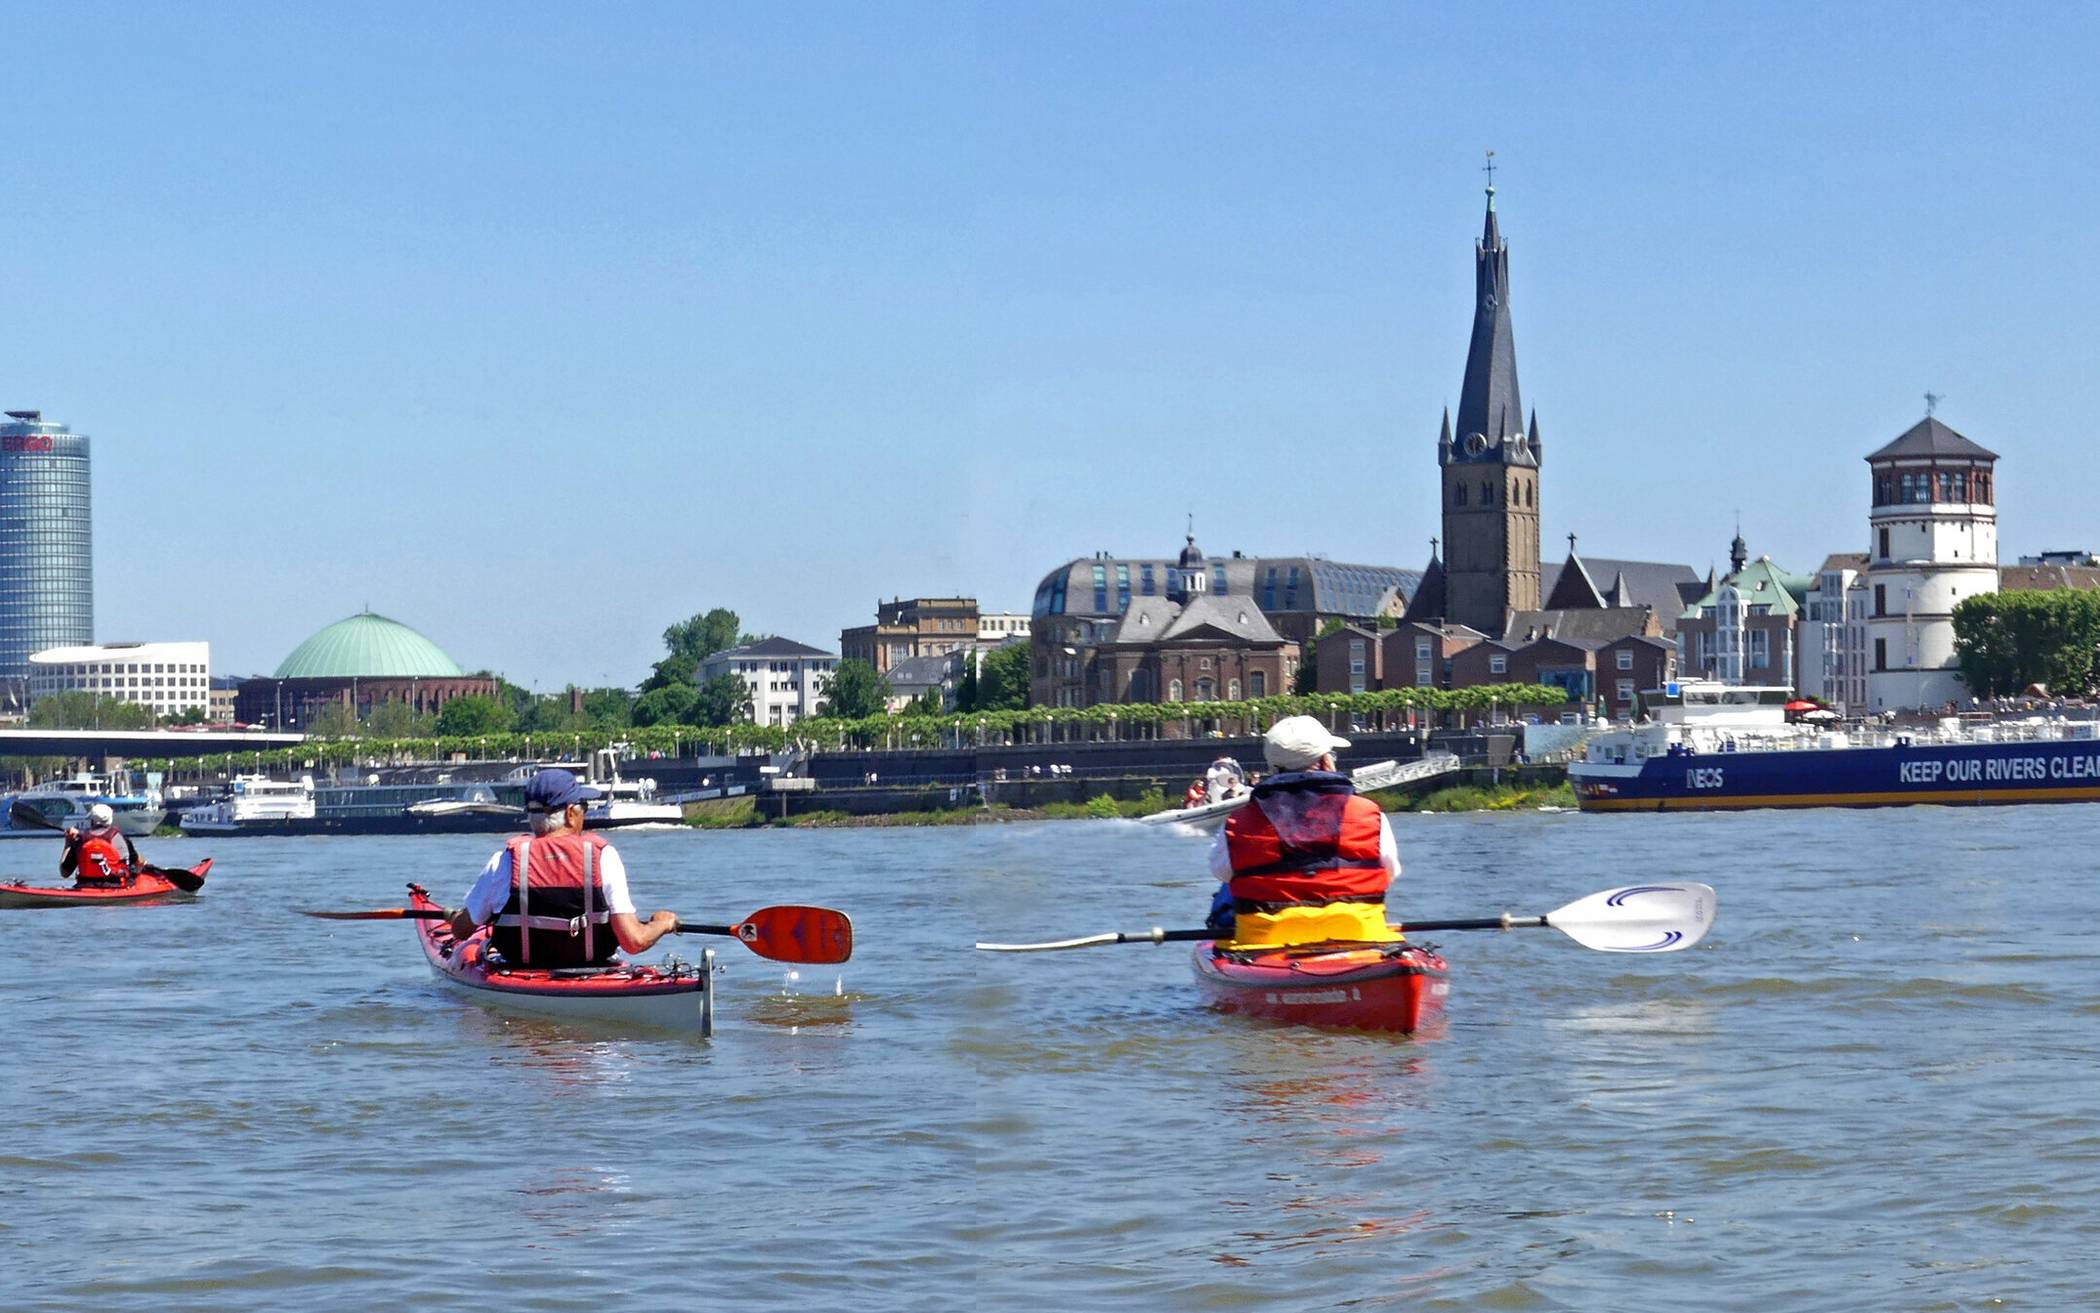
[[492, 890], [1388, 852]]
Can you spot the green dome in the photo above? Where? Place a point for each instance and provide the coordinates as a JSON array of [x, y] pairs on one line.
[[368, 646]]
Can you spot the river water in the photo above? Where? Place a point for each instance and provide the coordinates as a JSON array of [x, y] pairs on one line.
[[1874, 1085]]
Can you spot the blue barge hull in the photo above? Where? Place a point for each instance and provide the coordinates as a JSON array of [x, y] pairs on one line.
[[1967, 774]]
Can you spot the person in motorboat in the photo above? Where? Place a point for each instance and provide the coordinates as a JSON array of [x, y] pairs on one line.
[[1307, 860], [1224, 779], [558, 897], [1197, 796], [93, 856]]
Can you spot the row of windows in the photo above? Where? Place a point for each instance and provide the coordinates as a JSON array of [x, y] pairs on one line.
[[1918, 487], [1522, 494]]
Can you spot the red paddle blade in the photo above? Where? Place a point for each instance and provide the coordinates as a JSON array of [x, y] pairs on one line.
[[797, 934]]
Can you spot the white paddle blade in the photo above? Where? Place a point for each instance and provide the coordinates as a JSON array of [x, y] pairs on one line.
[[1639, 918]]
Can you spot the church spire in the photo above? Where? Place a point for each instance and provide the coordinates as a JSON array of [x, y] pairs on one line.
[[1489, 402]]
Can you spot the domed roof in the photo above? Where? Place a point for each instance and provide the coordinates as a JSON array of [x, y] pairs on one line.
[[368, 646]]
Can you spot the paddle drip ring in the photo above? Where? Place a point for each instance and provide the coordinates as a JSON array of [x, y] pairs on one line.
[[747, 932]]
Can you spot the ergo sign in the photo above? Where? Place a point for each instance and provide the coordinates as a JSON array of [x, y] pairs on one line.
[[26, 442]]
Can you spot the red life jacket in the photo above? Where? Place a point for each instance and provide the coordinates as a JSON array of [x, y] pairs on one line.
[[1305, 839], [556, 914], [98, 860]]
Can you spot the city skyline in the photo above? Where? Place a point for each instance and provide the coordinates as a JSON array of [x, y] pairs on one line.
[[787, 318]]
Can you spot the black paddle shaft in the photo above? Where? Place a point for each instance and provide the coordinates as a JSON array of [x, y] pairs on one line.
[[1476, 923]]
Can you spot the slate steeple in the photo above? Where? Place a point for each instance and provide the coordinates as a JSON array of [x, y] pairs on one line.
[[1490, 461], [1488, 402]]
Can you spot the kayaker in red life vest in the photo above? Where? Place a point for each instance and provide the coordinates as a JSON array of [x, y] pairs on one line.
[[558, 896], [92, 856], [1306, 860]]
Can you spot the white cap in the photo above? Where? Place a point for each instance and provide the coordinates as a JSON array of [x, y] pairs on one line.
[[100, 814], [1296, 742]]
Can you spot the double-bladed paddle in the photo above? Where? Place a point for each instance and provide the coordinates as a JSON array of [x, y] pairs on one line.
[[790, 933], [1638, 918], [28, 817]]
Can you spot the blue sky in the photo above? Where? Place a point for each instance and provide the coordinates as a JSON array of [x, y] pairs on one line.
[[539, 327]]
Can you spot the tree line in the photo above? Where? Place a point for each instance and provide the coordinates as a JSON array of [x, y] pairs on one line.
[[2008, 642]]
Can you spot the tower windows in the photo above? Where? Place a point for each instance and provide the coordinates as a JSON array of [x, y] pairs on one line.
[[1487, 493], [1458, 494]]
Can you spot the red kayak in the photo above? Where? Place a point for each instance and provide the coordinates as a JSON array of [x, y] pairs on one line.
[[624, 992], [150, 885], [1396, 987]]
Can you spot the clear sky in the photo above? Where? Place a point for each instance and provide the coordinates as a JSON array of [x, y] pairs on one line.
[[538, 327]]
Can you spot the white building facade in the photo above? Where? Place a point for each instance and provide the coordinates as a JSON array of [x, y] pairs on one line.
[[167, 678], [1934, 544], [1833, 662], [788, 680]]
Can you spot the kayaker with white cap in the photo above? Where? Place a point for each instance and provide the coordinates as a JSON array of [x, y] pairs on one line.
[[92, 856], [557, 897], [1306, 860]]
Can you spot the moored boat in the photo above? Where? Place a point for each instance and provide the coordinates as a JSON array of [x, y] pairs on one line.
[[1713, 747], [672, 996], [1394, 987], [149, 886]]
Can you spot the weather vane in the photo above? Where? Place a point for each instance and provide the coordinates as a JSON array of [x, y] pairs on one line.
[[1932, 402], [1489, 170]]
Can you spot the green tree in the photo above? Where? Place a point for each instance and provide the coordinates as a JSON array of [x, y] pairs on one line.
[[674, 671], [666, 706], [609, 708], [1002, 683], [723, 700], [700, 637], [2005, 642], [855, 691], [475, 713], [1308, 677], [78, 710], [332, 720], [187, 716], [396, 720]]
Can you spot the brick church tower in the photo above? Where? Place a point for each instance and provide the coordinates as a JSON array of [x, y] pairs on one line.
[[1491, 467]]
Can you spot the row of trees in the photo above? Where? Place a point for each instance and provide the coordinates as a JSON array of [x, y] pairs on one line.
[[2007, 642], [77, 710], [1384, 709]]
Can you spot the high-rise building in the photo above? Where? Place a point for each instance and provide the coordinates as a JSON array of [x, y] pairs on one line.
[[47, 572]]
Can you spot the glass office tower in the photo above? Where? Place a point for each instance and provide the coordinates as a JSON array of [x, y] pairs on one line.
[[47, 571]]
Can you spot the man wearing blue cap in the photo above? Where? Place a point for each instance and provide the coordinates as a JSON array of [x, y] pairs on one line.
[[557, 897]]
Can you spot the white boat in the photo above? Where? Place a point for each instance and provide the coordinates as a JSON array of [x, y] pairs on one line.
[[254, 802], [64, 804], [1378, 775]]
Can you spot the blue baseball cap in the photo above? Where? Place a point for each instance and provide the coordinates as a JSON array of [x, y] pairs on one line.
[[551, 789]]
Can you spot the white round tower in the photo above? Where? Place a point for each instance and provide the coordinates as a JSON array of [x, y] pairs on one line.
[[1934, 543]]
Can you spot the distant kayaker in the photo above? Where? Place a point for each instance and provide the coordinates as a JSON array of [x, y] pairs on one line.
[[558, 897], [1306, 860], [92, 856]]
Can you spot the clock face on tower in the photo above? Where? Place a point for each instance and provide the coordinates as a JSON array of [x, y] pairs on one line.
[[1475, 444]]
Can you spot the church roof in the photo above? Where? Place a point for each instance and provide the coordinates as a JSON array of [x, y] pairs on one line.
[[1591, 625], [1428, 602], [1658, 584], [1929, 437], [1572, 587]]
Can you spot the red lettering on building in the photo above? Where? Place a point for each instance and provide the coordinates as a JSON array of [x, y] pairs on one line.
[[26, 442]]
